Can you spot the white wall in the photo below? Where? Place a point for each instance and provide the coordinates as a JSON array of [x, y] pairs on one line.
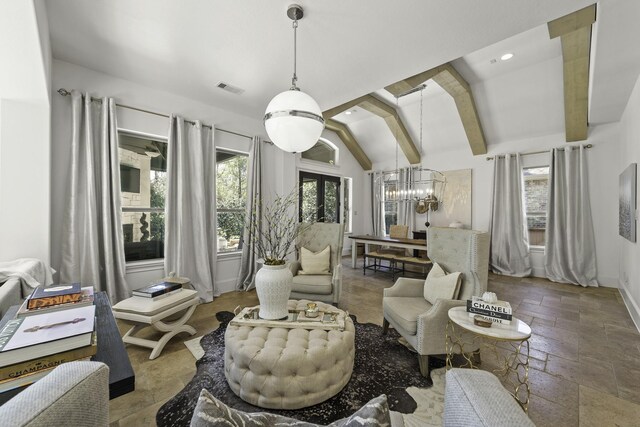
[[603, 180], [24, 131], [70, 76], [629, 264]]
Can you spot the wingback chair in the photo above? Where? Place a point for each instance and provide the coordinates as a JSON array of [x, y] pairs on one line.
[[404, 306], [325, 288]]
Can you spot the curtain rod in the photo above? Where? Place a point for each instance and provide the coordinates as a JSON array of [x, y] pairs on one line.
[[536, 152], [64, 92]]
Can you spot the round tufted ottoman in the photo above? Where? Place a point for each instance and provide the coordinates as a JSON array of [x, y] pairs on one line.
[[284, 368]]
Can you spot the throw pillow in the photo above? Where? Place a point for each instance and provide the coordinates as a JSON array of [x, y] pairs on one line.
[[439, 284], [315, 262], [211, 412]]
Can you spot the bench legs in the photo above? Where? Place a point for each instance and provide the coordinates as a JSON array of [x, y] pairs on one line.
[[424, 365], [170, 330], [385, 326]]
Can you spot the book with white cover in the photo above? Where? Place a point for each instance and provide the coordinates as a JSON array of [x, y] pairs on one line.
[[40, 335]]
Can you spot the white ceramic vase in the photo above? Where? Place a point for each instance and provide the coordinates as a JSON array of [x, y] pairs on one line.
[[273, 285]]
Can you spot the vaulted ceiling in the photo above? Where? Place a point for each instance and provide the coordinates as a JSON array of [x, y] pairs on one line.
[[348, 50]]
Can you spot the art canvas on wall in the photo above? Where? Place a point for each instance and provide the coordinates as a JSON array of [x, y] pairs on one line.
[[456, 201], [627, 203]]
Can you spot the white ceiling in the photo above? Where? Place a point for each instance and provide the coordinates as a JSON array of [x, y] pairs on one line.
[[345, 50]]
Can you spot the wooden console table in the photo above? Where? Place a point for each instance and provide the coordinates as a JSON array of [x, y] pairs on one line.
[[417, 244]]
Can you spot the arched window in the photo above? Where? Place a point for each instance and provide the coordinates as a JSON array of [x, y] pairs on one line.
[[324, 151]]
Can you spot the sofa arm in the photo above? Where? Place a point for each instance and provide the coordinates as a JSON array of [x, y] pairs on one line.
[[73, 394], [10, 294], [406, 288], [476, 398], [294, 266], [432, 325]]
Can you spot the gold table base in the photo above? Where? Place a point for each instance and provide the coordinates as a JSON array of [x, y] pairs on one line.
[[512, 363]]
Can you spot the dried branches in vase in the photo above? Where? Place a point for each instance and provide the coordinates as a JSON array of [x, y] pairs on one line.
[[272, 228]]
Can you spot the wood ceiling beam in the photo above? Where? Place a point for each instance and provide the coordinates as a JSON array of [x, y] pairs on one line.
[[391, 117], [350, 142], [450, 80], [394, 122], [574, 31]]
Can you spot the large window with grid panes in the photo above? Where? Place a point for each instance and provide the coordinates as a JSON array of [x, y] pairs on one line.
[[231, 199], [143, 189], [536, 193]]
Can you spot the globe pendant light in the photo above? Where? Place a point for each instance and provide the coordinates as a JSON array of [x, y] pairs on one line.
[[293, 120]]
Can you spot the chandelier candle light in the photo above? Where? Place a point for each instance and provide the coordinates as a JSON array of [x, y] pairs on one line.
[[293, 120], [422, 186]]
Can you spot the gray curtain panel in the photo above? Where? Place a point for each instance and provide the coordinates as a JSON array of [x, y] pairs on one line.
[[570, 249], [93, 241], [377, 205], [254, 194], [406, 214], [509, 234], [190, 211]]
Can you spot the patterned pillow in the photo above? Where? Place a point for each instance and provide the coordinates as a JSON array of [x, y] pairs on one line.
[[210, 412], [315, 262]]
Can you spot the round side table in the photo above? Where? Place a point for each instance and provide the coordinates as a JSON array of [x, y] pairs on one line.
[[513, 367]]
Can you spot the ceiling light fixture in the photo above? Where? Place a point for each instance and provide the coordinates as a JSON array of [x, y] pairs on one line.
[[348, 113], [506, 56], [415, 184], [293, 120]]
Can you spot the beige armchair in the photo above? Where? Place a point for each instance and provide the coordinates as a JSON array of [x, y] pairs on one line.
[[404, 306], [325, 288]]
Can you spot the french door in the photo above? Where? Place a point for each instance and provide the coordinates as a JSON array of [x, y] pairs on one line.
[[319, 198]]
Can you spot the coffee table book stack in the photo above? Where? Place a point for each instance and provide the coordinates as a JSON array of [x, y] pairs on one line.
[[496, 312], [54, 325], [158, 290]]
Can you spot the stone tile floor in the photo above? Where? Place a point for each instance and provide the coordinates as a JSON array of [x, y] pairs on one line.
[[585, 350]]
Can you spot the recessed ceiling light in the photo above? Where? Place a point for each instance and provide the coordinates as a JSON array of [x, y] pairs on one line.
[[506, 56], [348, 113]]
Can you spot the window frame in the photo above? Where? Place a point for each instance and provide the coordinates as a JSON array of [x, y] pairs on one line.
[[223, 210], [336, 155], [347, 195], [150, 263], [534, 248]]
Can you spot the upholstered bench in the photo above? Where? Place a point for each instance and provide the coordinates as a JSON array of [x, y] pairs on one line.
[[284, 368]]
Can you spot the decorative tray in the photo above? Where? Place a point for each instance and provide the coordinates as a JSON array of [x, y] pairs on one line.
[[327, 320]]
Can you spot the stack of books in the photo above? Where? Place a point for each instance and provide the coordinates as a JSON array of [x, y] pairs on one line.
[[159, 290], [497, 312], [54, 325]]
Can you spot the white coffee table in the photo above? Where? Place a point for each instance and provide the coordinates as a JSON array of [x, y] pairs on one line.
[[147, 312], [514, 367]]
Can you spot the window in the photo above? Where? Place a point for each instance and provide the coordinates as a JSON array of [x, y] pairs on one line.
[[324, 151], [143, 186], [390, 208], [347, 210], [319, 198], [536, 191], [231, 199]]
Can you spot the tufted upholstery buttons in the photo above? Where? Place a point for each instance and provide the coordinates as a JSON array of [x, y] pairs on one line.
[[288, 368]]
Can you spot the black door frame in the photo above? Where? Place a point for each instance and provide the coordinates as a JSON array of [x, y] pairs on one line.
[[321, 179]]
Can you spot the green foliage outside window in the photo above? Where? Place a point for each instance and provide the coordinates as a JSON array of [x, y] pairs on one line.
[[231, 194], [158, 194]]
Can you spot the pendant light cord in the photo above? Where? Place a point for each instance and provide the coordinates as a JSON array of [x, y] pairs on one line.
[[294, 79]]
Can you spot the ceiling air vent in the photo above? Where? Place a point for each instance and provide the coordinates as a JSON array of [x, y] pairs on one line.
[[229, 88]]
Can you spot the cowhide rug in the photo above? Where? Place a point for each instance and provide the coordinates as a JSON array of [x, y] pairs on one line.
[[382, 366]]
